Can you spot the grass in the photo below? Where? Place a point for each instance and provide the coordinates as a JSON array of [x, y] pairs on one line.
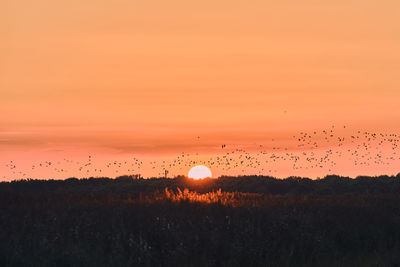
[[131, 223]]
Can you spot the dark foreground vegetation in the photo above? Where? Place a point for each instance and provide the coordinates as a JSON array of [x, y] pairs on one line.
[[242, 221]]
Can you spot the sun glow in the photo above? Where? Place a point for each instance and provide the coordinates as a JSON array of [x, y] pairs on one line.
[[199, 172]]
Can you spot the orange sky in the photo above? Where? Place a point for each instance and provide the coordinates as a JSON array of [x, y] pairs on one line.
[[147, 77]]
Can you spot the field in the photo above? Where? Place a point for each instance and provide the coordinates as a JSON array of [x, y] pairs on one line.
[[229, 221]]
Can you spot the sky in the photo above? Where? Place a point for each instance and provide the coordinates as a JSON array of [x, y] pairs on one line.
[[122, 79]]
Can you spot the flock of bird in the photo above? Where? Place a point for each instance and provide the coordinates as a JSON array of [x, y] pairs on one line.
[[325, 151]]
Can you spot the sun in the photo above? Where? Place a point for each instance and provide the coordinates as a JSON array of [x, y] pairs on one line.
[[199, 172]]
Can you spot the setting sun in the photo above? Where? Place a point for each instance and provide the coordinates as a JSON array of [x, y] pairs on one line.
[[199, 172]]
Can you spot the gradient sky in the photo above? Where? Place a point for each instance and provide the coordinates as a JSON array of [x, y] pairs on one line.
[[116, 78]]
